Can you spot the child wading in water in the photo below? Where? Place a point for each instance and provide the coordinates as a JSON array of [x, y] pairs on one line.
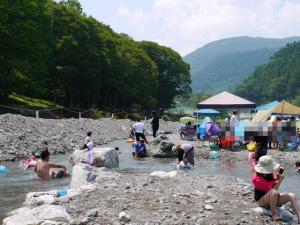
[[184, 164]]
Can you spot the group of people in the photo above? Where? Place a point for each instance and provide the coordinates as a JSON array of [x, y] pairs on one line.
[[267, 177]]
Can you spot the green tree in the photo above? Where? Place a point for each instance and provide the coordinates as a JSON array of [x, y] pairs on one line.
[[173, 73], [24, 53], [278, 79]]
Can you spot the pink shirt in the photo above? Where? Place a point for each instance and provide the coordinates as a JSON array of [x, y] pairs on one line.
[[261, 184]]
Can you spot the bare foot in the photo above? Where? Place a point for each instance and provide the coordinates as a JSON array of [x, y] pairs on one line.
[[276, 218]]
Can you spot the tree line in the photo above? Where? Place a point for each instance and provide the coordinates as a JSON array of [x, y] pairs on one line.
[[54, 51], [277, 80]]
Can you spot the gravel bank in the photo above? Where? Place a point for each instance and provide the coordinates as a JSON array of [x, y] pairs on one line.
[[179, 200], [20, 135]]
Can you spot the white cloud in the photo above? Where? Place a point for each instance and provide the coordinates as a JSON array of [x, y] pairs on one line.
[[186, 25]]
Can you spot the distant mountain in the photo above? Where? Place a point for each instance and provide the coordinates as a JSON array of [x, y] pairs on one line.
[[222, 65], [277, 80]]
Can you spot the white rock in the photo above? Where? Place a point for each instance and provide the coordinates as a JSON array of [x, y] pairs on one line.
[[286, 215], [85, 177], [164, 174], [40, 198], [123, 217], [43, 215], [208, 207], [103, 157]]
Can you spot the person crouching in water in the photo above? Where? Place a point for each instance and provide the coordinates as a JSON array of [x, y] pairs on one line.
[[184, 149], [184, 164], [140, 150], [43, 167], [266, 180]]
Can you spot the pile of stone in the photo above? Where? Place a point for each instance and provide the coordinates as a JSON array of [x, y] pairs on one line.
[[19, 135]]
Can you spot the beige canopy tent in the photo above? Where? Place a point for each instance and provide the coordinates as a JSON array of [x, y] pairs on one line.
[[283, 107], [286, 108], [226, 100]]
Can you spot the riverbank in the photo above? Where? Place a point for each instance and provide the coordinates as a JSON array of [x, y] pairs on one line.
[[20, 135], [205, 196]]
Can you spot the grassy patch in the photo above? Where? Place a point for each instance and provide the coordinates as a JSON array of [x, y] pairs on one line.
[[32, 102]]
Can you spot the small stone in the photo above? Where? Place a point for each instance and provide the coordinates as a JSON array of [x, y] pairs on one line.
[[211, 200], [208, 207], [209, 186], [92, 213], [123, 217]]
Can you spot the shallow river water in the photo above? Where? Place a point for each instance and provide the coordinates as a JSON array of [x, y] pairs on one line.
[[15, 184]]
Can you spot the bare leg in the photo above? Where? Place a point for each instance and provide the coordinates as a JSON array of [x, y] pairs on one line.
[[273, 204], [270, 200], [290, 197]]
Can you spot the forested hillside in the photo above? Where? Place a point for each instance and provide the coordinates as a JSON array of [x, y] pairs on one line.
[[52, 50], [278, 79], [223, 64]]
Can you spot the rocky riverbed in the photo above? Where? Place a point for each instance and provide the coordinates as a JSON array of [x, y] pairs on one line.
[[20, 135], [102, 196], [141, 198]]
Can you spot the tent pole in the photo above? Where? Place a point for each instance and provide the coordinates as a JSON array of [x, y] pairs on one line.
[[282, 109]]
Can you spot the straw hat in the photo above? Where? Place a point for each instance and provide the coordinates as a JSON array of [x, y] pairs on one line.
[[175, 148], [266, 165]]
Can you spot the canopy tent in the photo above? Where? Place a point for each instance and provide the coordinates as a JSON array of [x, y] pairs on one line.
[[283, 107], [206, 112], [225, 100], [286, 108], [261, 115], [268, 106]]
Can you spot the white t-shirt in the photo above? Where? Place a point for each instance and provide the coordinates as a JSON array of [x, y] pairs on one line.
[[186, 147], [234, 120], [87, 139], [139, 127]]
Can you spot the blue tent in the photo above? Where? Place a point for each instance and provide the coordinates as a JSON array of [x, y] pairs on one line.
[[206, 112], [270, 105]]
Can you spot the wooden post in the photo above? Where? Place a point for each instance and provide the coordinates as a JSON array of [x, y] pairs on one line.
[[37, 114]]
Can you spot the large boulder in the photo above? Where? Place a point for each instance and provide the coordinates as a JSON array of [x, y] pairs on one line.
[[86, 177], [49, 197], [103, 157], [42, 215], [161, 147], [40, 198]]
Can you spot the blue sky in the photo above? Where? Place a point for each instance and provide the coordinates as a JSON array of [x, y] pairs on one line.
[[186, 25]]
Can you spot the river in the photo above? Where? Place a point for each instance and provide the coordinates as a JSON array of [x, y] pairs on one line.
[[15, 184]]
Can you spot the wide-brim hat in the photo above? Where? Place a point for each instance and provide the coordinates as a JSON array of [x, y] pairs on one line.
[[266, 165]]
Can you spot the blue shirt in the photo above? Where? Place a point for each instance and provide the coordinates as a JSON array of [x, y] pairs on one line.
[[138, 147]]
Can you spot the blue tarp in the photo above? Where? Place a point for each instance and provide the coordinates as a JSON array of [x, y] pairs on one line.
[[270, 105], [206, 112]]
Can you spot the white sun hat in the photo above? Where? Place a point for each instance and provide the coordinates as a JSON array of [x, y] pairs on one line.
[[266, 165]]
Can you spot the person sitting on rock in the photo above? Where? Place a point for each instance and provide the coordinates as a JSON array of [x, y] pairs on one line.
[[184, 149], [43, 168], [184, 164], [140, 150], [266, 180]]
